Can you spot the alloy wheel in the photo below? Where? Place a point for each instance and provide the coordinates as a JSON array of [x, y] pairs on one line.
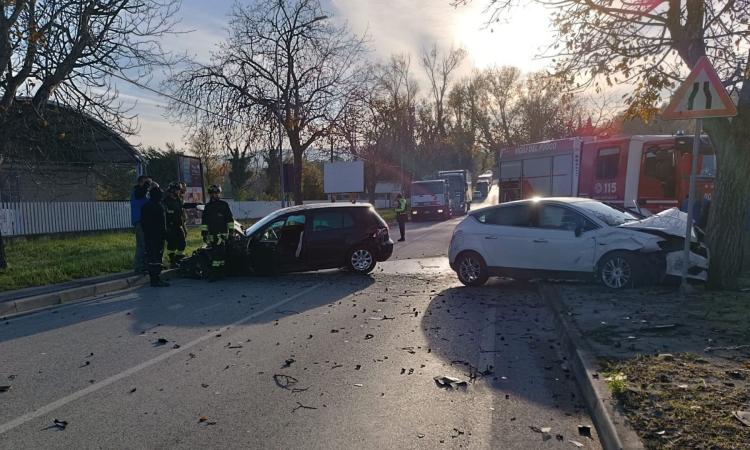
[[470, 269], [361, 259], [617, 273]]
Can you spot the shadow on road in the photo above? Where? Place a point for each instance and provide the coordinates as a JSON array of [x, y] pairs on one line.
[[503, 334], [197, 303]]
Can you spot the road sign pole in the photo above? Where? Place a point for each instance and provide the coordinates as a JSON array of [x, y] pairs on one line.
[[691, 204]]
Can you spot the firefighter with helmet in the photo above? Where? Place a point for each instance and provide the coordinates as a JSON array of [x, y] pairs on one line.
[[216, 226], [176, 231]]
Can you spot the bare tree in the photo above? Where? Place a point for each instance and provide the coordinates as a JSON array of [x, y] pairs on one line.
[[439, 68], [68, 50], [651, 46], [286, 58]]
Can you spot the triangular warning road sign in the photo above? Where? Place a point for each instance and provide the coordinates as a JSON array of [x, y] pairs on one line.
[[701, 95]]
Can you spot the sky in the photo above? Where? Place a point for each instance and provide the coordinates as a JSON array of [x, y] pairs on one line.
[[393, 26]]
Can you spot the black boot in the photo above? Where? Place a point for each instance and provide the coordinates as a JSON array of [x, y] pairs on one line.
[[156, 281]]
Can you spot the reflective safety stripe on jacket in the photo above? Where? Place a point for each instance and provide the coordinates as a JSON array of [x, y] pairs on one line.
[[401, 208]]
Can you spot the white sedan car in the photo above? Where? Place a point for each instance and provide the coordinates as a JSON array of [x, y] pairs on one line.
[[569, 238]]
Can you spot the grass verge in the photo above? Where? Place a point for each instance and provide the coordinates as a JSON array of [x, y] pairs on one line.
[[42, 261], [683, 401]]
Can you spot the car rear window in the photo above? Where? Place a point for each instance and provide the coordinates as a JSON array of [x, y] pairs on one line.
[[511, 215]]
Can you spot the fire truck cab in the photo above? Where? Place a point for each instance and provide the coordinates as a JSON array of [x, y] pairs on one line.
[[647, 173]]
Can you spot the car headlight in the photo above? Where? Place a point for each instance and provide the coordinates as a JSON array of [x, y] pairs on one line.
[[414, 213], [440, 211]]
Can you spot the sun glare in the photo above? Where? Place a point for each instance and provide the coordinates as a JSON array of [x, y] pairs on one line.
[[515, 42]]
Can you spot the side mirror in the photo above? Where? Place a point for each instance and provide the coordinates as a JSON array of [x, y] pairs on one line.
[[578, 231]]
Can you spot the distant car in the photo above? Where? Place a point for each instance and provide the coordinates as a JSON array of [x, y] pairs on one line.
[[572, 238], [318, 236]]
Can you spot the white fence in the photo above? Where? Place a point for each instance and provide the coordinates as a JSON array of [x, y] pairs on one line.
[[32, 218]]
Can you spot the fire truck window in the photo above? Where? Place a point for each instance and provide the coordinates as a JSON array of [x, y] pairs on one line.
[[606, 163], [660, 164], [510, 170], [562, 165], [510, 216]]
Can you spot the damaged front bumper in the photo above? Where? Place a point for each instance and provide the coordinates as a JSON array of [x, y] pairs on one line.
[[697, 270]]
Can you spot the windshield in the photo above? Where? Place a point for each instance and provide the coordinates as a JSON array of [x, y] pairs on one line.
[[263, 222], [428, 188], [606, 214]]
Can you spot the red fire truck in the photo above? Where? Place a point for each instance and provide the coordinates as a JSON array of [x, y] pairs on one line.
[[646, 173]]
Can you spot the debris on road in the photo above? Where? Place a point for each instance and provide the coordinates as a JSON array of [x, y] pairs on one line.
[[449, 382], [133, 390], [288, 363], [420, 435], [161, 341], [301, 406], [287, 382], [358, 385], [584, 430], [576, 443], [456, 433], [369, 336], [61, 424], [204, 420], [5, 387]]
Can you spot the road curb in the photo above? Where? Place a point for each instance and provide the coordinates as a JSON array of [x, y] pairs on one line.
[[75, 295], [614, 431]]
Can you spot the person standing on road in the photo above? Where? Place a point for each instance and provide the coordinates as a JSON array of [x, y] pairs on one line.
[[176, 231], [138, 198], [401, 216], [216, 226], [153, 222]]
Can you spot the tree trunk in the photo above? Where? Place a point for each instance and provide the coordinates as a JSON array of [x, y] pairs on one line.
[[728, 216], [297, 175]]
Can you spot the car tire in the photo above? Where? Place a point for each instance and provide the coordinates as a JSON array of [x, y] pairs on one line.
[[619, 270], [361, 259], [471, 269]]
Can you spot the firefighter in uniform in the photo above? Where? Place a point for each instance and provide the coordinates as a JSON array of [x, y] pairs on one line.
[[153, 221], [176, 231], [401, 216], [216, 225]]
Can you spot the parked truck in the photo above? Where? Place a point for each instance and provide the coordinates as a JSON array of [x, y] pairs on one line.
[[459, 185], [644, 173], [430, 199]]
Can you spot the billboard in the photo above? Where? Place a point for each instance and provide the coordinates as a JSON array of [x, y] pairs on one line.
[[190, 172], [344, 177]]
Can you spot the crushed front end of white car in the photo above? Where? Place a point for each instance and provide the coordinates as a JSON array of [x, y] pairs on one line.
[[669, 226]]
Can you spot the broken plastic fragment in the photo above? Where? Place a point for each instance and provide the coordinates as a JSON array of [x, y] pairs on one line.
[[576, 443], [449, 382], [61, 424], [5, 388], [358, 385]]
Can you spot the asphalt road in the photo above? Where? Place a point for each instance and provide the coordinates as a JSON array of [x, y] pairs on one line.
[[316, 360]]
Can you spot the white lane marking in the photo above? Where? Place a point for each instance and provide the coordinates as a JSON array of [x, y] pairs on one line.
[[4, 428]]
